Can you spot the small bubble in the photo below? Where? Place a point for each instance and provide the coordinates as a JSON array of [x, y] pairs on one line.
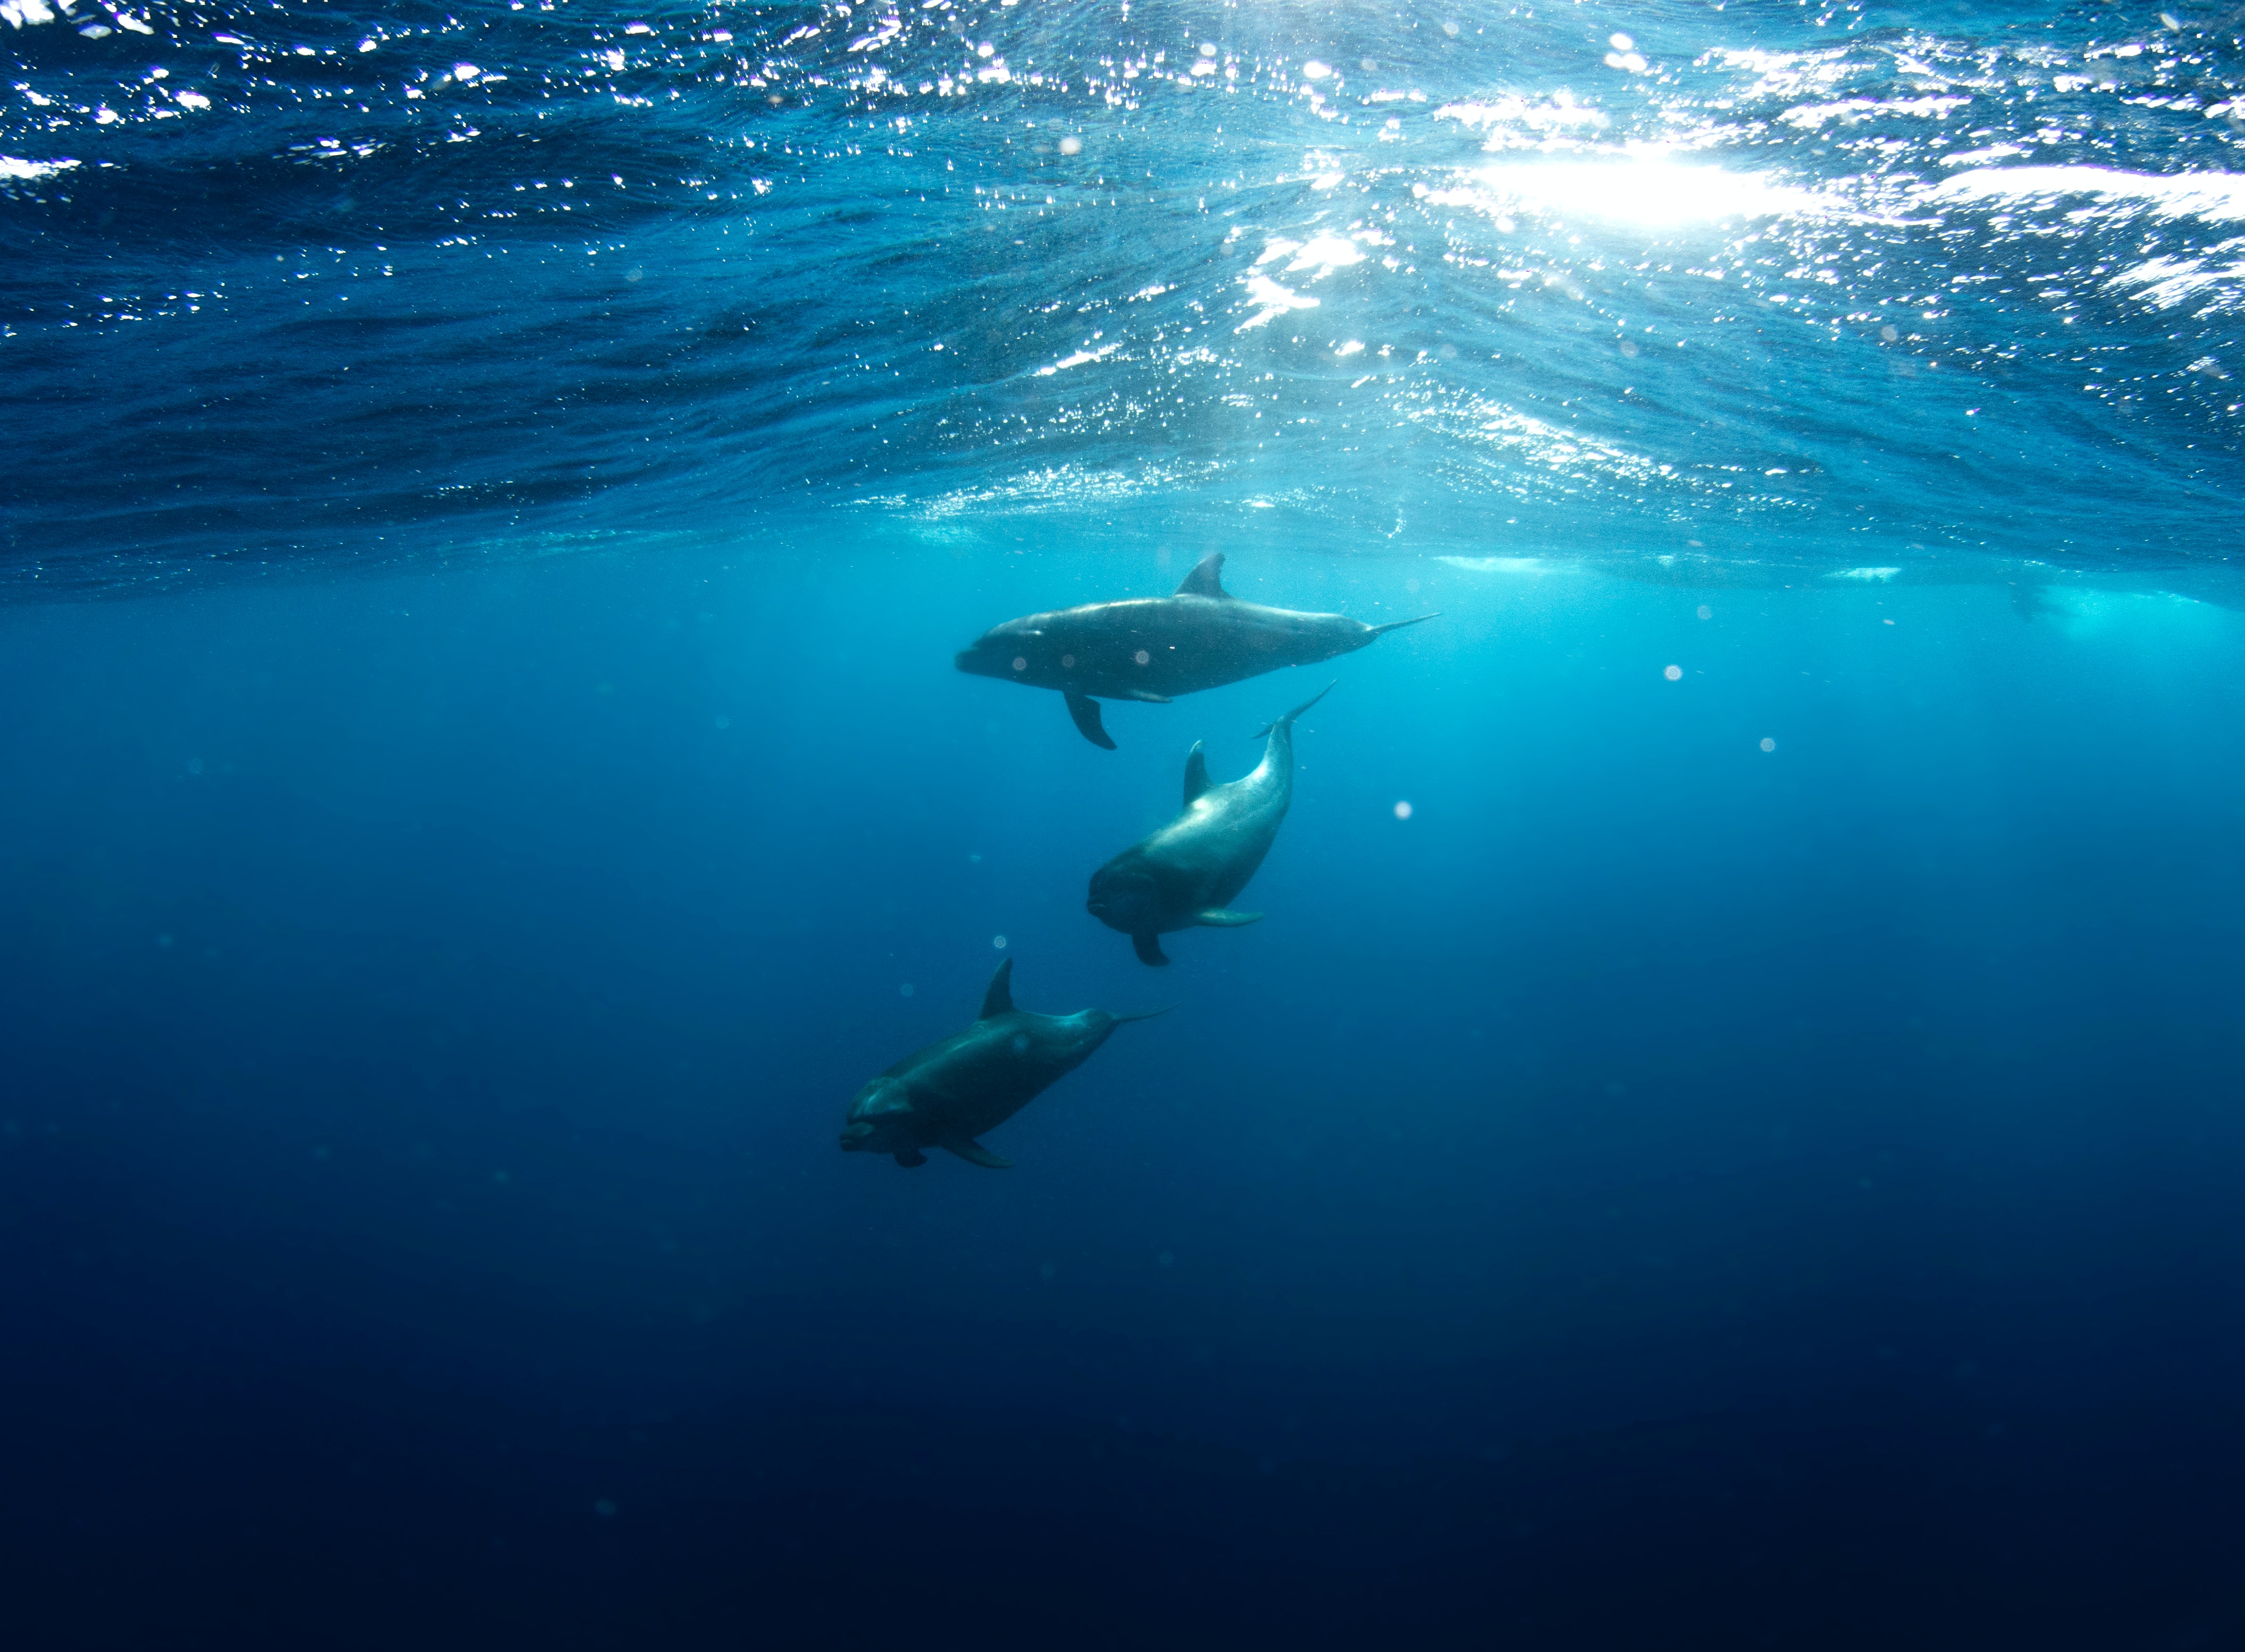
[[1402, 811], [1705, 612], [1768, 745], [1071, 146], [1889, 334], [164, 940], [905, 990], [1621, 42], [1451, 30], [1169, 1259], [998, 941], [602, 1507], [1067, 662], [1046, 1270], [722, 723], [1021, 662], [1143, 658], [194, 765], [1674, 673]]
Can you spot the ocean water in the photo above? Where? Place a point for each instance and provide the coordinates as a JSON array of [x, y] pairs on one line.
[[1730, 1131]]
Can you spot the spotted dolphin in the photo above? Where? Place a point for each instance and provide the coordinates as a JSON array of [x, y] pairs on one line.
[[1185, 875], [950, 1093], [1158, 648]]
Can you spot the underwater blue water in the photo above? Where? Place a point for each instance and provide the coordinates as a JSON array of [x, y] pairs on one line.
[[1729, 1133]]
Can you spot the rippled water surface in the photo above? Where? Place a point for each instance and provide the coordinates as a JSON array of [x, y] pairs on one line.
[[1756, 283]]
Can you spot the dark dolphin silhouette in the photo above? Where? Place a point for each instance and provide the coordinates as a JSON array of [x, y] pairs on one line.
[[1185, 875], [947, 1094], [1158, 648]]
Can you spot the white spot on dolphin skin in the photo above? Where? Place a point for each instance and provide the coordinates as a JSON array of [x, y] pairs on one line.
[[1674, 673], [1021, 662], [1143, 658], [1402, 811], [998, 941], [1768, 745]]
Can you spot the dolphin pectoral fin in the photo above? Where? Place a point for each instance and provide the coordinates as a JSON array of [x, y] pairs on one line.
[[975, 1153], [1218, 918], [1206, 579], [1149, 948], [911, 1158], [1085, 710], [1397, 625]]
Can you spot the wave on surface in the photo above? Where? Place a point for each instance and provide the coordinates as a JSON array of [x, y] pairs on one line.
[[1822, 285]]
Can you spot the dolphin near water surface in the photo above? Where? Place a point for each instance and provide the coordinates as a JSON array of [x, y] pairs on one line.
[[947, 1094], [1184, 876], [1158, 648]]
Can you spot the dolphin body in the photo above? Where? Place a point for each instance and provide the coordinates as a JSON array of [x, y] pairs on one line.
[[1185, 875], [1156, 647], [947, 1094]]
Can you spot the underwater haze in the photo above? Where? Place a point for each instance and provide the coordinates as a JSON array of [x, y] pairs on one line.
[[1728, 1129]]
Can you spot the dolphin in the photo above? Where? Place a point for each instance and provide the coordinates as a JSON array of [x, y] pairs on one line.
[[1184, 874], [947, 1094], [1155, 648]]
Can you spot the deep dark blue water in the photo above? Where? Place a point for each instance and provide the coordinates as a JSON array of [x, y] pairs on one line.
[[1729, 1133]]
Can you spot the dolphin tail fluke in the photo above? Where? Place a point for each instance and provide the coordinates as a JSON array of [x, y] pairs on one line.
[[1218, 918], [1287, 721], [911, 1158], [1085, 710], [975, 1153], [1149, 948], [1397, 625]]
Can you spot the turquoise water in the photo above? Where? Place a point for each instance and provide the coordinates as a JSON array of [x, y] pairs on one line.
[[1728, 1131]]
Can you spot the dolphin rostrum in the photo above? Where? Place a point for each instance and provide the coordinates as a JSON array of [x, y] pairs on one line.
[[1184, 874], [947, 1094], [1156, 648]]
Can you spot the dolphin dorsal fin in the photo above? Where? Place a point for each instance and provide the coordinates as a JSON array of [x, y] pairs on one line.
[[1195, 774], [1000, 999], [1206, 579]]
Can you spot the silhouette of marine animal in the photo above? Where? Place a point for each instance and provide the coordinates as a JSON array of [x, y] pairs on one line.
[[947, 1094], [1184, 876], [1156, 647]]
